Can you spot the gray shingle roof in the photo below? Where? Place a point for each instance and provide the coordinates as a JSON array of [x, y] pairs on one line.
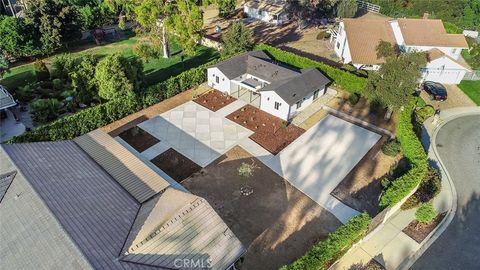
[[291, 85], [294, 89], [129, 171], [91, 208], [193, 232]]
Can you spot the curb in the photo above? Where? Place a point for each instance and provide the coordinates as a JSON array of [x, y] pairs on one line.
[[453, 209]]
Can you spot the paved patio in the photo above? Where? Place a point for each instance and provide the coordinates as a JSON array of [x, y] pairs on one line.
[[195, 132], [320, 159]]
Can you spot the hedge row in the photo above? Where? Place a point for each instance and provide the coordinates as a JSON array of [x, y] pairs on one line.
[[326, 252], [413, 151], [92, 118], [341, 79]]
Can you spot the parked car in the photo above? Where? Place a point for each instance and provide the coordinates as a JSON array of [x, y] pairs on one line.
[[436, 90]]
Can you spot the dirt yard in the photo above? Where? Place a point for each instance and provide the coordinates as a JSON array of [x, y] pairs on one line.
[[138, 138], [176, 165], [277, 223], [269, 131], [361, 188], [214, 100]]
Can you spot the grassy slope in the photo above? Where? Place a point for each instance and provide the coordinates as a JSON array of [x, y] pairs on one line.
[[472, 90], [156, 70]]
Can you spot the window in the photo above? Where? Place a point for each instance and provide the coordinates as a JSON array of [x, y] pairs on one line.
[[338, 45], [315, 94], [217, 79], [299, 104], [277, 105]]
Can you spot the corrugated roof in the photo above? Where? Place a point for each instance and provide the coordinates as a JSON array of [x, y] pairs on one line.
[[364, 35], [427, 32], [194, 232], [129, 171], [93, 211]]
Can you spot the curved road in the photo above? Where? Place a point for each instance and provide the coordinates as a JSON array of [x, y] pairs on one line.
[[458, 144]]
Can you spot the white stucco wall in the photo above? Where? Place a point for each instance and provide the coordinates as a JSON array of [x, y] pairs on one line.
[[224, 82], [305, 103], [267, 104], [340, 46], [443, 70]]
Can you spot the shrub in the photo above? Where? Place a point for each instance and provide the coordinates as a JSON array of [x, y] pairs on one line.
[[426, 213], [413, 151], [62, 65], [25, 93], [353, 98], [323, 35], [341, 79], [45, 110], [41, 70], [429, 188], [57, 84], [326, 252], [423, 113], [391, 148]]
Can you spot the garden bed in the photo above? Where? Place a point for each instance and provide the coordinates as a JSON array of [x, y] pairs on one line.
[[270, 132], [373, 265], [138, 138], [419, 232], [214, 100], [175, 165]]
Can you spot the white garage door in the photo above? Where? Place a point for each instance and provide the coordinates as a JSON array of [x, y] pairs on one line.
[[444, 76]]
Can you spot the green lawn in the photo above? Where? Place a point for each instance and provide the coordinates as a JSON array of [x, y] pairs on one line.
[[156, 70], [472, 90]]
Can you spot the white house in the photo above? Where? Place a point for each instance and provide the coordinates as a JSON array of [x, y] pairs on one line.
[[355, 42], [272, 11], [255, 78]]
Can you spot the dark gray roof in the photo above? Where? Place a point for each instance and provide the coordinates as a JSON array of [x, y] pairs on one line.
[[93, 210], [291, 85], [5, 181], [294, 89]]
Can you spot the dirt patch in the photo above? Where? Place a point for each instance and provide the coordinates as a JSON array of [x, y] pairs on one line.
[[214, 100], [138, 138], [361, 188], [270, 132], [277, 223], [175, 165], [419, 231]]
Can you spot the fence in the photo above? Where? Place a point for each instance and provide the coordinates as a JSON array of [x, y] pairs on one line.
[[368, 6]]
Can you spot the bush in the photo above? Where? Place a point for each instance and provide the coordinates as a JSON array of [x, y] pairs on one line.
[[326, 252], [353, 99], [341, 79], [429, 188], [426, 213], [41, 70], [323, 35], [413, 151], [423, 114], [57, 84], [391, 148], [25, 93], [45, 110]]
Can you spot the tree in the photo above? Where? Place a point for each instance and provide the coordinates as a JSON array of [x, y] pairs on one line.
[[346, 8], [4, 66], [118, 76], [226, 8], [426, 213], [238, 38], [385, 49], [187, 24], [17, 39], [83, 79], [392, 86]]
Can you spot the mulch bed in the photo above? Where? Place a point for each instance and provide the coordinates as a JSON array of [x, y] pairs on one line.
[[373, 265], [138, 138], [269, 131], [175, 165], [214, 100], [421, 231]]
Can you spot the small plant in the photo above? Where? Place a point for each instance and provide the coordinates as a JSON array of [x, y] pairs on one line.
[[245, 171], [391, 148], [323, 35], [57, 84], [45, 110], [353, 99], [284, 124], [426, 213]]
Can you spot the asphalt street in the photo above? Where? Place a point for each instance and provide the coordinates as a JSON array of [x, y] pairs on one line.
[[458, 145]]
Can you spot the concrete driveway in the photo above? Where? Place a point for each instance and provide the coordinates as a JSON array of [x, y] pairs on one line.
[[456, 98], [458, 144], [318, 160]]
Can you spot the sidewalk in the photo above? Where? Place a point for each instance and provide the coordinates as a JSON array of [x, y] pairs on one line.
[[388, 245]]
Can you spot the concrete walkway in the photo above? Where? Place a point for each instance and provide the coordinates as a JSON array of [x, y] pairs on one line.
[[388, 245]]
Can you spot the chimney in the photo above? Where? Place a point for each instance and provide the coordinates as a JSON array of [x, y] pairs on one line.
[[425, 15]]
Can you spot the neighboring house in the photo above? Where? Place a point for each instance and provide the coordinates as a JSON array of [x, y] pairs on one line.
[[255, 78], [92, 204], [272, 11], [355, 42], [6, 100]]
